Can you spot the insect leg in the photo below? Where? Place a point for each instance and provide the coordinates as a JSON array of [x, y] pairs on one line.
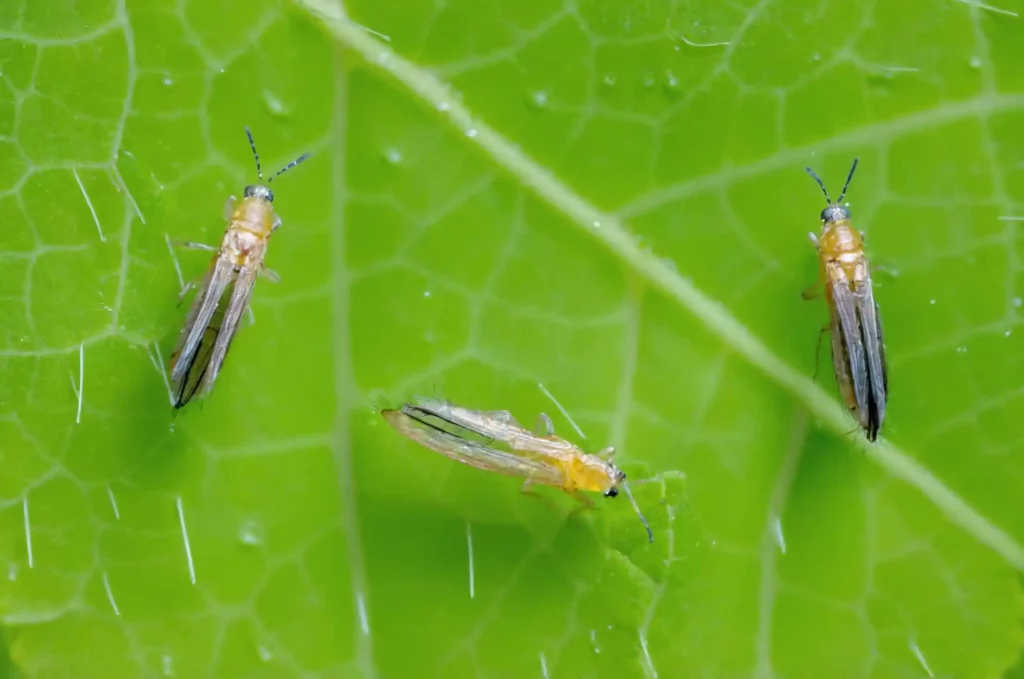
[[270, 275], [191, 285], [527, 489], [817, 350], [229, 208], [606, 453], [545, 427], [584, 500], [192, 245], [814, 291]]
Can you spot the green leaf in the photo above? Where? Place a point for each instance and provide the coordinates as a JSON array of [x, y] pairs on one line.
[[603, 198]]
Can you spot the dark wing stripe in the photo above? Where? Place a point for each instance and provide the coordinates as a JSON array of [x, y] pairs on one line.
[[186, 390], [846, 307], [471, 453], [236, 307], [203, 308], [421, 412], [869, 317]]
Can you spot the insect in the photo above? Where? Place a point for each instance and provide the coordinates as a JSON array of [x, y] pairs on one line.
[[858, 350], [542, 459], [217, 309]]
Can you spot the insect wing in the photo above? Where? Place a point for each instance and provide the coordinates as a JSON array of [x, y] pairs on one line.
[[497, 425], [236, 306], [845, 306], [877, 371], [841, 362], [412, 423], [199, 316], [492, 425], [187, 388]]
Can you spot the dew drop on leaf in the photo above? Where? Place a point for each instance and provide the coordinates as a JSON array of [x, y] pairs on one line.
[[671, 81], [251, 533], [609, 80], [393, 156], [275, 105], [539, 99]]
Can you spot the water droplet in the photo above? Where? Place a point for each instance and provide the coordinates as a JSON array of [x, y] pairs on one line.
[[471, 133], [816, 56], [167, 664], [648, 80], [1017, 301], [251, 533], [443, 106], [12, 572], [264, 653], [384, 59], [961, 350], [975, 62], [167, 81], [671, 81], [426, 293], [596, 224], [275, 105], [1007, 333], [609, 80], [539, 99], [931, 301], [393, 156]]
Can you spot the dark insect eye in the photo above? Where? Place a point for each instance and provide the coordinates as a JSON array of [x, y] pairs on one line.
[[612, 492]]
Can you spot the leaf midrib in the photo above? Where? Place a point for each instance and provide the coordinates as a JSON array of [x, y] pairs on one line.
[[610, 231]]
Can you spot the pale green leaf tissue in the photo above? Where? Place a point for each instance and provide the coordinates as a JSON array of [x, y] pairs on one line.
[[603, 197]]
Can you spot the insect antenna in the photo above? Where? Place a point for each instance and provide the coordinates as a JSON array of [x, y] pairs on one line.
[[848, 178], [259, 171], [289, 166], [820, 183], [625, 489], [252, 144]]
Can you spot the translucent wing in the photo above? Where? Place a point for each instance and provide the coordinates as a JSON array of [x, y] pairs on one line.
[[414, 423], [187, 388], [489, 424], [499, 425], [845, 308], [877, 371], [236, 306], [216, 281]]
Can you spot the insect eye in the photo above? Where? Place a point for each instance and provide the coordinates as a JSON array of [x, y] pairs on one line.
[[612, 492]]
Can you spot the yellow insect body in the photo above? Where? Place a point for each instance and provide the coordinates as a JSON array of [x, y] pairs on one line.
[[858, 349], [539, 459], [215, 314]]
